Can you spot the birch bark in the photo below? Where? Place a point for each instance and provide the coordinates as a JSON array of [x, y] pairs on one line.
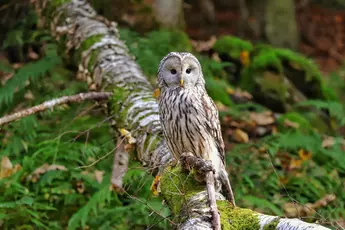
[[92, 43]]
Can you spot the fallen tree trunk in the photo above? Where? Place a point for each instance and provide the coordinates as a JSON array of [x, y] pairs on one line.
[[92, 43]]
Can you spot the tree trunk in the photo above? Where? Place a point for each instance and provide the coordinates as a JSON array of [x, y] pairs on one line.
[[281, 27], [104, 61], [169, 13]]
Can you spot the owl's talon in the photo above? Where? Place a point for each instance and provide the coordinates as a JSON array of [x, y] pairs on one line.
[[206, 167]]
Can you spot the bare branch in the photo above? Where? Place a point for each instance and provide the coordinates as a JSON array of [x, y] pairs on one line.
[[50, 104], [106, 64], [120, 167]]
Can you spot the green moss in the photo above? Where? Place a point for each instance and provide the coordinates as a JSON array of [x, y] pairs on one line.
[[232, 46], [270, 82], [300, 62], [92, 60], [272, 225], [51, 6], [266, 57], [119, 94], [177, 187], [329, 93], [317, 122], [86, 44], [181, 41], [237, 218]]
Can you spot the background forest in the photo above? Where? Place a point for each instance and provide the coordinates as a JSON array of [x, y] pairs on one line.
[[274, 67]]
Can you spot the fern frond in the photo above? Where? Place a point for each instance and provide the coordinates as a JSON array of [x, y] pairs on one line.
[[32, 72]]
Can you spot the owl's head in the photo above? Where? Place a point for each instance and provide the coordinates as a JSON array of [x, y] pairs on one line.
[[180, 70]]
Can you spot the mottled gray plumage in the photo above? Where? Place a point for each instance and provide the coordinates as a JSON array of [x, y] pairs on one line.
[[188, 115]]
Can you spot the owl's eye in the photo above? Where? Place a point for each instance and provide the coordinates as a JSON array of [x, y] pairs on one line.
[[173, 71], [188, 71]]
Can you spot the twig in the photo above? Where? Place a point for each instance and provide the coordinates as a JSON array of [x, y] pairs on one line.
[[189, 161], [102, 157], [148, 206], [212, 200], [120, 166], [57, 101]]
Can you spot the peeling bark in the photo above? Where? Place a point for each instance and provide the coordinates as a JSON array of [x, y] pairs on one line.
[[93, 44]]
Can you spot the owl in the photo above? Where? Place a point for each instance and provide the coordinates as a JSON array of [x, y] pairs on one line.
[[189, 116]]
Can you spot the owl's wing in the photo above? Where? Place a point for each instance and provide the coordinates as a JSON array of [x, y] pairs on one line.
[[213, 124]]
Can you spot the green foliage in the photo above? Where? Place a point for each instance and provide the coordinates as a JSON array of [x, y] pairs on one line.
[[263, 172], [149, 50], [335, 109], [72, 136], [298, 118], [22, 33], [29, 72], [280, 179], [232, 46]]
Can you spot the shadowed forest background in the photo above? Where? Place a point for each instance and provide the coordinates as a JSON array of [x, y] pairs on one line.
[[275, 69]]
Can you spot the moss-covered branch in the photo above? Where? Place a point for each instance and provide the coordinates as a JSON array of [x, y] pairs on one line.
[[92, 43]]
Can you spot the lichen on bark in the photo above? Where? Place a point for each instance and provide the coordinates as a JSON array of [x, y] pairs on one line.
[[106, 62]]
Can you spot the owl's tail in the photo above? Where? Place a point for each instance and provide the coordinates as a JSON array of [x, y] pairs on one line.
[[223, 176]]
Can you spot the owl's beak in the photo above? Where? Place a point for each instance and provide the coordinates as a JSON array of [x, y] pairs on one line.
[[181, 82]]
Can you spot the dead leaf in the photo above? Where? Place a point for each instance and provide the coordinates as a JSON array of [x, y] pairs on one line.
[[6, 167], [28, 95], [328, 142], [156, 93], [201, 46], [265, 118], [32, 54], [295, 163], [80, 187], [245, 58], [98, 175], [288, 123], [128, 135], [240, 136], [130, 19], [34, 177], [17, 65], [304, 154], [155, 187]]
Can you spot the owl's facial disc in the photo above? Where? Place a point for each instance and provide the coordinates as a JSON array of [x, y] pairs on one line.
[[189, 73], [180, 71], [171, 72]]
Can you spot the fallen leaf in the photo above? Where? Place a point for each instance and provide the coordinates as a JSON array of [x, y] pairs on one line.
[[328, 142], [6, 167], [80, 187], [28, 95], [295, 163], [32, 54], [98, 175], [304, 154], [201, 46], [128, 135], [263, 119], [34, 177], [288, 123], [245, 58], [156, 93], [230, 90], [155, 187], [240, 136], [130, 19]]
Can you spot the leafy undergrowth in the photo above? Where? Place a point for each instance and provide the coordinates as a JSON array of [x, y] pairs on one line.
[[56, 166]]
